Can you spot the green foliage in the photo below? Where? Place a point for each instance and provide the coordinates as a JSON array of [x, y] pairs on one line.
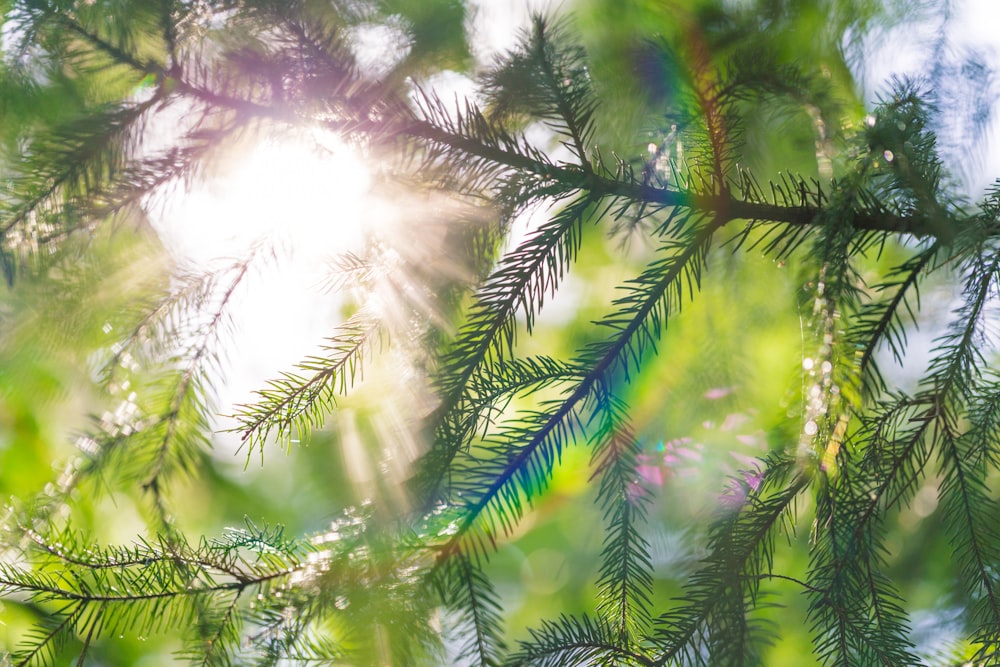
[[726, 151]]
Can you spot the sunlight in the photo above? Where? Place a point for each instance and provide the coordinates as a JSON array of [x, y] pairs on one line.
[[314, 198], [304, 194]]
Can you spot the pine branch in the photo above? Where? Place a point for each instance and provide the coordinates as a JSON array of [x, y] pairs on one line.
[[160, 429], [711, 103], [470, 596], [524, 279], [487, 464], [884, 321], [77, 156], [490, 390], [214, 633], [186, 390], [297, 403], [522, 282], [968, 507], [47, 639], [575, 641], [480, 140], [116, 54], [529, 448], [740, 554], [545, 78], [148, 588], [904, 432], [723, 204], [946, 388], [853, 628], [626, 580]]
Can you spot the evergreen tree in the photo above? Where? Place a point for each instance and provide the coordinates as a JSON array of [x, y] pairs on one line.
[[108, 104]]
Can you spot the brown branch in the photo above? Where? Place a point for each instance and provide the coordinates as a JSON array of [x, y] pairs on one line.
[[732, 207], [577, 176]]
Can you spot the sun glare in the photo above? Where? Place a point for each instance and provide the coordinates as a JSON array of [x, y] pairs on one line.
[[304, 194], [307, 197]]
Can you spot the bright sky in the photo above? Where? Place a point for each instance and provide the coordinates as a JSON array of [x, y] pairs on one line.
[[308, 200], [974, 26]]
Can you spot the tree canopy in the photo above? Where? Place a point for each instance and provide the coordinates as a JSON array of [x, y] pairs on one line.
[[673, 349]]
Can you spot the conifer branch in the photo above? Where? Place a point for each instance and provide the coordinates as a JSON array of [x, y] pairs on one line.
[[520, 284], [502, 420], [116, 54], [296, 402], [883, 322], [84, 158], [475, 601], [575, 641], [740, 546], [626, 582], [183, 391], [643, 313]]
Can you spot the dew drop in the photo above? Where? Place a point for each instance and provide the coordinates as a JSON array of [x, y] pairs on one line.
[[888, 155]]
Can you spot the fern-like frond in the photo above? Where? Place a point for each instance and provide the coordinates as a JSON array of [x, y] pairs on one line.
[[740, 554], [298, 402], [626, 581], [576, 640], [885, 322], [546, 78], [519, 462], [473, 601]]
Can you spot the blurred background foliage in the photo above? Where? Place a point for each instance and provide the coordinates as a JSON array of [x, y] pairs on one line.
[[721, 392]]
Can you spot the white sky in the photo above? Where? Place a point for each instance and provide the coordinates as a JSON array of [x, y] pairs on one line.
[[974, 25]]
